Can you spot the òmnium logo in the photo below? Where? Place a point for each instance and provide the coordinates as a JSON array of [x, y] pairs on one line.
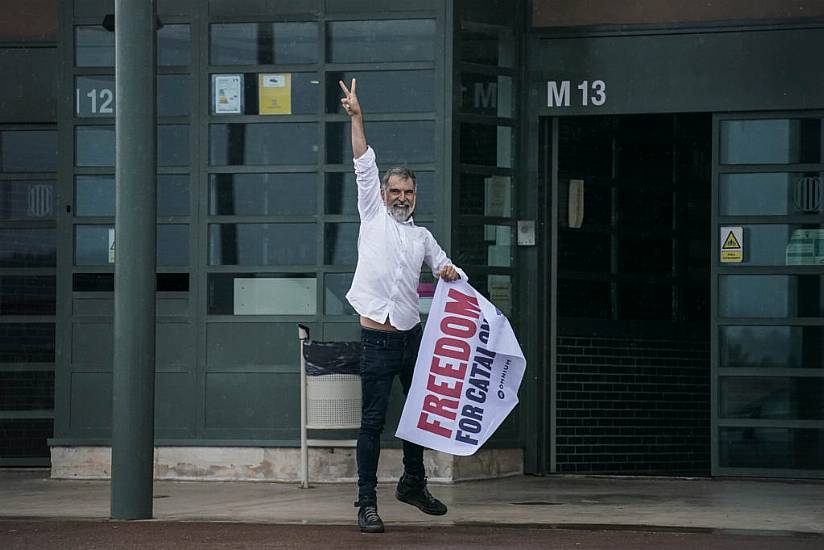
[[808, 193]]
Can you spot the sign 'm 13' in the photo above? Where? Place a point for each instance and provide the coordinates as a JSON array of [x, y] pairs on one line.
[[558, 93]]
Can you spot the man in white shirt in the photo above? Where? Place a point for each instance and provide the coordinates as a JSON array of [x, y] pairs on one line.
[[384, 292]]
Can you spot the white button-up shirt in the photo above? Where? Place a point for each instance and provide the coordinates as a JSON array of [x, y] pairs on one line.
[[390, 256]]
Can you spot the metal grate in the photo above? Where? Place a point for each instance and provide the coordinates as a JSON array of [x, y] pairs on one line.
[[333, 401]]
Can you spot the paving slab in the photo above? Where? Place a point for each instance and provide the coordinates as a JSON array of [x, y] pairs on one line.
[[733, 505]]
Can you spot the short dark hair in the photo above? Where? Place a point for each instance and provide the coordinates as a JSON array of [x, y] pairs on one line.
[[402, 172]]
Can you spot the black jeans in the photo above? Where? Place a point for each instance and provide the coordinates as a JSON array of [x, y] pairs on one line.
[[384, 356]]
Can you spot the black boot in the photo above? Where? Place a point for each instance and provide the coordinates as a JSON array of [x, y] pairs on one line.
[[412, 490], [368, 519]]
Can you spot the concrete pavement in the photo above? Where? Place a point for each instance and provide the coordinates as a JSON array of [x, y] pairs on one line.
[[731, 505]]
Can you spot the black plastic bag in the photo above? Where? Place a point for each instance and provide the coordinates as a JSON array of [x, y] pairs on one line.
[[331, 357]]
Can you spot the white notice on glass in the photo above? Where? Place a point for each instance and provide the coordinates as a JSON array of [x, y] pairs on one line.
[[228, 93]]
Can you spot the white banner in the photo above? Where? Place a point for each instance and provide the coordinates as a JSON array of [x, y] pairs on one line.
[[467, 375]]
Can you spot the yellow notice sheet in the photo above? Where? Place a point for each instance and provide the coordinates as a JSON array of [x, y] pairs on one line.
[[275, 94]]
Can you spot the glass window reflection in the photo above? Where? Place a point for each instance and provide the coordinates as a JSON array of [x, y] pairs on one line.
[[485, 245], [172, 244], [770, 296], [28, 151], [770, 141], [486, 145], [782, 448], [780, 244], [92, 243], [385, 91], [173, 145], [486, 195], [260, 144], [771, 397], [263, 194], [94, 146], [27, 200], [341, 243], [262, 244], [771, 347], [174, 95], [336, 287], [95, 195], [771, 194], [487, 46], [264, 43], [394, 142], [376, 41], [93, 47], [174, 45], [486, 94], [173, 195], [28, 247], [262, 294]]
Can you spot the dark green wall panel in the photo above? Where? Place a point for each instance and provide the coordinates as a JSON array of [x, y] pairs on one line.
[[91, 402], [251, 403], [85, 305], [175, 404], [175, 347], [731, 71], [252, 346], [92, 345], [340, 332]]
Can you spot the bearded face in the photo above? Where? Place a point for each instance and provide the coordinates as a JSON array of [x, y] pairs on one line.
[[399, 197]]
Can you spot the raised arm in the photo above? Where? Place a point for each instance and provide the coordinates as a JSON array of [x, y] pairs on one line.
[[353, 109], [366, 171]]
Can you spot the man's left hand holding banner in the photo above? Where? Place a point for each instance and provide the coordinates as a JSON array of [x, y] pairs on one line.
[[467, 375]]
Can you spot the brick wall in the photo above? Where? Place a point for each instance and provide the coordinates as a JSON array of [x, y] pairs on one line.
[[633, 406]]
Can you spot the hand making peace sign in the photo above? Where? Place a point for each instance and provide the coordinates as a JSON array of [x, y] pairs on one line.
[[350, 101]]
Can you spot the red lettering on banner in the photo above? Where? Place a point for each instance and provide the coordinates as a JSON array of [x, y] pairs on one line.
[[465, 306], [444, 388], [458, 327], [447, 369], [441, 407], [453, 348], [433, 427], [443, 397]]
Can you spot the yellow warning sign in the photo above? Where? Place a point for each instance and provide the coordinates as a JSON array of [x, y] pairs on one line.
[[732, 244], [275, 94]]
